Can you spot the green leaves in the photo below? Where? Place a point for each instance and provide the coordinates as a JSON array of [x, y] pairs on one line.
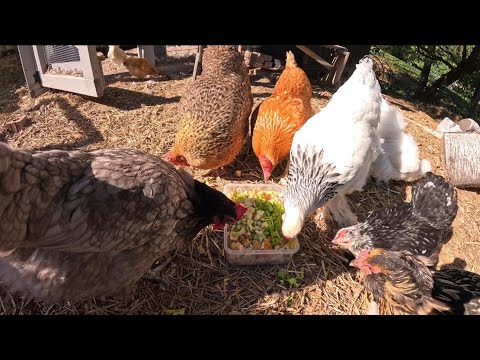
[[290, 278]]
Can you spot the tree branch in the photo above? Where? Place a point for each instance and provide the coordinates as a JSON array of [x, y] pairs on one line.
[[464, 52], [434, 56], [449, 51]]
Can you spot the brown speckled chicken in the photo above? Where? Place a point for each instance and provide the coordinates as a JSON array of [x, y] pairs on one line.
[[399, 283], [280, 116], [402, 285], [214, 112], [139, 67], [78, 224]]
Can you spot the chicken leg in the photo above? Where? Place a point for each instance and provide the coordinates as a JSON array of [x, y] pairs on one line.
[[287, 167], [213, 173], [283, 180], [338, 210]]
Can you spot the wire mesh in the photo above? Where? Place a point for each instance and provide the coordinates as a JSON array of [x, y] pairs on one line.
[[63, 60]]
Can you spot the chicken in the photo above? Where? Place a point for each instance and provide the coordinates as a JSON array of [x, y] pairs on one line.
[[139, 67], [399, 283], [116, 55], [403, 285], [281, 115], [331, 154], [214, 112], [399, 156], [78, 224], [419, 226], [100, 56], [459, 289]]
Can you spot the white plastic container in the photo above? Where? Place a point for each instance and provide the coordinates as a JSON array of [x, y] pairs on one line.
[[256, 257]]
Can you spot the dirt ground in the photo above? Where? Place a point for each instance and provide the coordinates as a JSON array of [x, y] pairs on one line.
[[196, 279]]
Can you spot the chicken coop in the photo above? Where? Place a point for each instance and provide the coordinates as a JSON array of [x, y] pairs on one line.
[[73, 68], [77, 69], [332, 64]]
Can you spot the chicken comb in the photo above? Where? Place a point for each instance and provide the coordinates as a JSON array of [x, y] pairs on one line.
[[240, 210]]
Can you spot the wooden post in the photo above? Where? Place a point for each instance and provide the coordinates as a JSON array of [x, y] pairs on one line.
[[198, 60], [33, 81], [315, 56], [461, 155], [147, 52], [160, 50]]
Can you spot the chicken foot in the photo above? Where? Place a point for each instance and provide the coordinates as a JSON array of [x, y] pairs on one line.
[[213, 173], [373, 308], [152, 275]]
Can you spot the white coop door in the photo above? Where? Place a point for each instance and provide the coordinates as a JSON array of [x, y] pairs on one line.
[[73, 68]]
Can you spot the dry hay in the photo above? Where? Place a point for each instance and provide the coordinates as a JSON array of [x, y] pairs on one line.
[[196, 279]]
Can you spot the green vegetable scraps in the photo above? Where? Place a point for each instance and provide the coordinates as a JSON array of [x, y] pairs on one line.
[[260, 227]]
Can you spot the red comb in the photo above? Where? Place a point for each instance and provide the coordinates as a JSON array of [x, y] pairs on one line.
[[240, 210]]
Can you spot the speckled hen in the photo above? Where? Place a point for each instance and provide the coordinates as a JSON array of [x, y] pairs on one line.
[[78, 224], [402, 285], [214, 112], [419, 226]]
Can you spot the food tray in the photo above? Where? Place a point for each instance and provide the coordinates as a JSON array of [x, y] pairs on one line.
[[256, 257]]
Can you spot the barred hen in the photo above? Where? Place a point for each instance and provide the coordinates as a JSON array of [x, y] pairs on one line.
[[280, 116], [77, 224], [402, 285], [419, 226], [214, 112]]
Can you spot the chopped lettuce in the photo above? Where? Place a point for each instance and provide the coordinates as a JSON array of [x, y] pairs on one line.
[[260, 227]]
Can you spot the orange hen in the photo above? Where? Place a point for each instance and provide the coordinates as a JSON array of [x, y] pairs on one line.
[[281, 115]]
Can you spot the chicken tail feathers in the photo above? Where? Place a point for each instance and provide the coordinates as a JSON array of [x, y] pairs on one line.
[[435, 201], [392, 122], [291, 59]]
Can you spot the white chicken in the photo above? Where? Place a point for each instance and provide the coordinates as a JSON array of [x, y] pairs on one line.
[[331, 154], [399, 156], [116, 54]]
